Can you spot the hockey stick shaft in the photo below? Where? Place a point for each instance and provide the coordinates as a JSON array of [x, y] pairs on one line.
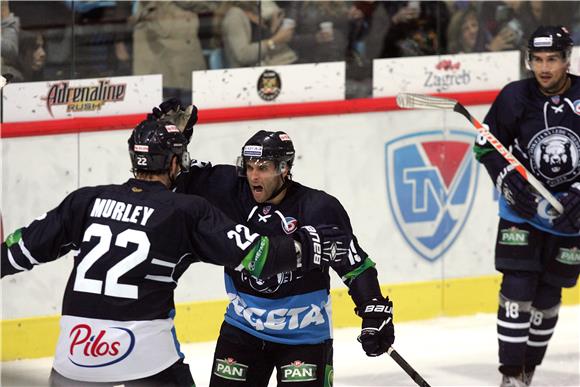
[[407, 368], [428, 102]]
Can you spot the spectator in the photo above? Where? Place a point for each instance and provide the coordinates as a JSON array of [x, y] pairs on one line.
[[9, 43], [464, 34], [322, 29], [415, 28], [54, 19], [32, 55], [165, 41], [507, 23], [249, 40]]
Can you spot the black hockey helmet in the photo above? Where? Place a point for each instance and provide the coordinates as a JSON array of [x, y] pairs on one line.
[[551, 38], [153, 143], [272, 146]]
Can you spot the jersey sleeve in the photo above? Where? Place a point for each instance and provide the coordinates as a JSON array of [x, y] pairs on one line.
[[359, 274], [502, 121], [220, 241], [206, 180], [47, 238]]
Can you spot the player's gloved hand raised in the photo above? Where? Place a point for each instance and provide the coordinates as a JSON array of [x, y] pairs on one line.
[[517, 192], [378, 332], [184, 118], [322, 246], [569, 221]]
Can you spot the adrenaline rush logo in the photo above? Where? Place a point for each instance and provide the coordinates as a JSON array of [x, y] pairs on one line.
[[431, 184], [83, 98]]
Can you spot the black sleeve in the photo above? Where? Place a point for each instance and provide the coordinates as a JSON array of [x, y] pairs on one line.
[[45, 239], [359, 274], [502, 120], [220, 241]]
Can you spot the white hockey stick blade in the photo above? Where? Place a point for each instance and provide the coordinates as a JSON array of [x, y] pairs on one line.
[[421, 101]]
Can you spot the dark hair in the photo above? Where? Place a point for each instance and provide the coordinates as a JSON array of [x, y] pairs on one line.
[[27, 45]]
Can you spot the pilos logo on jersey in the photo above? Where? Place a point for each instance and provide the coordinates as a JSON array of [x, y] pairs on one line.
[[569, 256], [555, 155], [298, 371], [230, 369], [431, 184], [513, 236], [99, 348]]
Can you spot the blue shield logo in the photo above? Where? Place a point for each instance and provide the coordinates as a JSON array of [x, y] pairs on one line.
[[431, 184]]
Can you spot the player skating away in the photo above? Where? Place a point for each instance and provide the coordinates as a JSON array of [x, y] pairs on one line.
[[284, 323], [537, 252], [131, 244]]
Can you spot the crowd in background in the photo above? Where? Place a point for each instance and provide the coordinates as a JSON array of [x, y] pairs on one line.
[[51, 40]]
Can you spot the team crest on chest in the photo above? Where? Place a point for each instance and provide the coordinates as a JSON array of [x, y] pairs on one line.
[[577, 107], [289, 224], [431, 184], [554, 155], [270, 285]]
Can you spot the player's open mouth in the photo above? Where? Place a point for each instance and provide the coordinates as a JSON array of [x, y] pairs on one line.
[[257, 188]]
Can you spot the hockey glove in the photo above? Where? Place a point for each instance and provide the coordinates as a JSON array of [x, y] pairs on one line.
[[322, 246], [378, 332], [173, 111], [517, 192], [569, 221]]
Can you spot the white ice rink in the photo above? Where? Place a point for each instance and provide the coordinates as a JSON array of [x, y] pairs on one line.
[[445, 351]]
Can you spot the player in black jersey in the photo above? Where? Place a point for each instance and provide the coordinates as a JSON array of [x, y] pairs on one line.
[[131, 244], [284, 322], [537, 251]]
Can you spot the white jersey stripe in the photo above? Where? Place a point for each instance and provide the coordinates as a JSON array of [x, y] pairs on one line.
[[13, 262], [541, 332], [511, 325], [538, 343], [160, 262], [27, 253], [509, 339], [159, 278]]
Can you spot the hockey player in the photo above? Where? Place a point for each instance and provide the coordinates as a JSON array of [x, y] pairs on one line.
[[537, 252], [284, 322], [131, 243]]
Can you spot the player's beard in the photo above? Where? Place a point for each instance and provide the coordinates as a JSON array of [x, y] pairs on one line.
[[554, 87]]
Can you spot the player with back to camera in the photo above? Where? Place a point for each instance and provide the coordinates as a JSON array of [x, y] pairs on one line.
[[131, 244], [537, 251], [283, 323]]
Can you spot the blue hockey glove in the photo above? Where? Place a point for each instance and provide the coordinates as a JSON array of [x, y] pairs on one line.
[[517, 192], [378, 331], [173, 111], [569, 221], [323, 246]]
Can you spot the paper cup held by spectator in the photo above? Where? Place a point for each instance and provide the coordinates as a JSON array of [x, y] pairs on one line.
[[326, 27], [288, 23]]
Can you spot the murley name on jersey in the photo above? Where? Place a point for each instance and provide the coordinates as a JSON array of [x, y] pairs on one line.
[[123, 212]]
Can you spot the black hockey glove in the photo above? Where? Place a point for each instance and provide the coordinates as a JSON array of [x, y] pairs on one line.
[[517, 192], [322, 246], [378, 332], [173, 111], [569, 221]]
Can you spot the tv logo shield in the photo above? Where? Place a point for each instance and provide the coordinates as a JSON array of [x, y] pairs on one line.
[[431, 184]]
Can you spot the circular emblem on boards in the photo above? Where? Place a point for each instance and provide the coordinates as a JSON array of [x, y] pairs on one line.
[[269, 85], [554, 155]]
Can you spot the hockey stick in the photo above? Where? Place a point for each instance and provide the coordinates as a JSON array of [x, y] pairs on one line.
[[420, 101], [407, 368]]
